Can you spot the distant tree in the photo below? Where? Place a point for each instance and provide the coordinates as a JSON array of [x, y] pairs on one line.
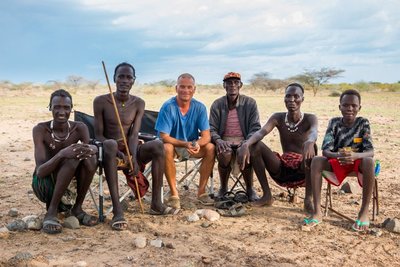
[[166, 83], [92, 84], [315, 78], [74, 81], [53, 85], [263, 81]]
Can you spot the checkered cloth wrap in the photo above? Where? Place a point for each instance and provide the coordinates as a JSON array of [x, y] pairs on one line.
[[291, 160]]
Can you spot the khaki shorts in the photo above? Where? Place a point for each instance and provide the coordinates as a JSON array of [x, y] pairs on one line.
[[181, 153]]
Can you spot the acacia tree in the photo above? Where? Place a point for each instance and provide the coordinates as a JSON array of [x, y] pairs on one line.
[[315, 78]]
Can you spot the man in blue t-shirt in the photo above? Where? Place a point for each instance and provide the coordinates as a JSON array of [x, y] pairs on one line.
[[179, 123]]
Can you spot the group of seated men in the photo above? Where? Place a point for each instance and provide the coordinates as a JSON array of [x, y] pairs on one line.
[[232, 133]]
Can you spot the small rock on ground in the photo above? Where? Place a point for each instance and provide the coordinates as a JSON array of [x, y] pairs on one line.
[[140, 242], [193, 218], [13, 212], [157, 243], [33, 222], [393, 225], [17, 225], [71, 222]]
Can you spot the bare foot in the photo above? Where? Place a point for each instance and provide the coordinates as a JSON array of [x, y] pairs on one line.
[[263, 202], [308, 206], [253, 196]]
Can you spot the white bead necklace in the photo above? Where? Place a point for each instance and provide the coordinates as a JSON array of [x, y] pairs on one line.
[[293, 127], [57, 138]]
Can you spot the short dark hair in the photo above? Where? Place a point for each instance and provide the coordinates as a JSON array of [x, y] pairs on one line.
[[61, 93], [350, 92], [186, 75], [296, 85], [122, 65]]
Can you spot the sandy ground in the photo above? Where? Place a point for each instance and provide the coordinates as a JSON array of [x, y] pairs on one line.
[[264, 237]]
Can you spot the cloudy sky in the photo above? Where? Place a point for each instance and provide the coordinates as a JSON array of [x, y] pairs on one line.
[[52, 39]]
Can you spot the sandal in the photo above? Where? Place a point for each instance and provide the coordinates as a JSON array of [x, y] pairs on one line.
[[174, 202], [86, 219], [241, 196], [228, 196], [205, 199], [224, 204], [119, 223], [236, 210], [166, 211], [360, 226], [52, 226]]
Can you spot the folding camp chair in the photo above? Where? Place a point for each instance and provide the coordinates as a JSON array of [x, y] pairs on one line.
[[191, 173], [375, 200], [293, 187], [146, 133]]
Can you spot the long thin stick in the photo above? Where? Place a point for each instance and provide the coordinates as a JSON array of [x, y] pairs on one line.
[[123, 135]]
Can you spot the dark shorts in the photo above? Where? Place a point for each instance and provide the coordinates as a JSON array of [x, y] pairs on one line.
[[44, 189], [289, 176]]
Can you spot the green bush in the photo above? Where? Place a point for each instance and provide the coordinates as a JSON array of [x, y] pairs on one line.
[[335, 93]]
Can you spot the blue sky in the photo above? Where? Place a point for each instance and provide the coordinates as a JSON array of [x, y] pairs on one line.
[[50, 40]]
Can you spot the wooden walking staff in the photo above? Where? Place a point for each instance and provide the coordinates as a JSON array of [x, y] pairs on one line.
[[123, 135]]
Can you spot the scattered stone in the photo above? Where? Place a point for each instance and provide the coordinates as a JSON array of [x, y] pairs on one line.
[[13, 212], [17, 225], [81, 264], [376, 232], [129, 258], [27, 159], [170, 246], [157, 243], [385, 222], [210, 215], [206, 224], [4, 233], [393, 225], [305, 228], [19, 258], [351, 187], [33, 222], [193, 217], [140, 242], [206, 260], [71, 222], [68, 238]]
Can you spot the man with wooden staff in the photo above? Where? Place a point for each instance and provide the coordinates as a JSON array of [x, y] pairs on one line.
[[107, 131]]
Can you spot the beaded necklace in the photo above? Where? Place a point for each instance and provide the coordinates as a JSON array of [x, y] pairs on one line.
[[57, 138], [293, 127]]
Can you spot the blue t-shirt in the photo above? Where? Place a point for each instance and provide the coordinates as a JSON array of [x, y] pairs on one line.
[[171, 121]]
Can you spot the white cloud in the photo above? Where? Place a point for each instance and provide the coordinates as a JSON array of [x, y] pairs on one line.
[[211, 37]]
